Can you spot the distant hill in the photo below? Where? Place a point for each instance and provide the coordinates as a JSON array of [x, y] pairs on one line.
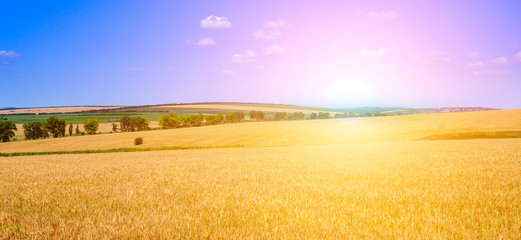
[[462, 109], [153, 112]]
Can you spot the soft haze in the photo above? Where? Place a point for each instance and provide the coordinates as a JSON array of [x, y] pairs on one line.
[[408, 53]]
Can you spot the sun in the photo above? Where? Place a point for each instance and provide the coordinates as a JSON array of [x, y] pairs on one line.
[[349, 92]]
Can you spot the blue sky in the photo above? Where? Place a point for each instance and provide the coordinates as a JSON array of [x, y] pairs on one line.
[[410, 53]]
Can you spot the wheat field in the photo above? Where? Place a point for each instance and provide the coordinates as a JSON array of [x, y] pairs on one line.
[[289, 133], [431, 189], [361, 178]]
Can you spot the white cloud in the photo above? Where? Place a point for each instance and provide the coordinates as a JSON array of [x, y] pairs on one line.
[[386, 15], [492, 72], [215, 22], [373, 53], [276, 24], [246, 57], [266, 34], [476, 64], [439, 56], [274, 50], [8, 54], [501, 60], [228, 72], [518, 56], [474, 55], [205, 42], [135, 71]]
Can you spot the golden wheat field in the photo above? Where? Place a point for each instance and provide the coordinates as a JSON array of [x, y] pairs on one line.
[[431, 189], [361, 178], [289, 133]]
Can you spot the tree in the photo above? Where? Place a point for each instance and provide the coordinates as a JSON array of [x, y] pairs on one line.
[[234, 117], [279, 116], [169, 121], [35, 130], [220, 118], [7, 131], [313, 116], [124, 124], [91, 126], [114, 127], [139, 124], [77, 130], [197, 120], [56, 126], [298, 115], [341, 115], [256, 115], [70, 130], [327, 115], [322, 115], [211, 119]]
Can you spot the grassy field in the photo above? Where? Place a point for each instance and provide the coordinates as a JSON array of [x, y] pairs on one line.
[[365, 178]]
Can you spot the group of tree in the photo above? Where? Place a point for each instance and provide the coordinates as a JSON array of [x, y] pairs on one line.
[[56, 128], [132, 124], [35, 130], [173, 121], [283, 116], [256, 115], [7, 129], [234, 117], [214, 119], [321, 115]]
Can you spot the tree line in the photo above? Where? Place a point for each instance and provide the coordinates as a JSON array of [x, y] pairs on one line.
[[173, 121], [56, 127]]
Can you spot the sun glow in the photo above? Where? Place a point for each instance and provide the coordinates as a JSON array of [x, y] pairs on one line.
[[350, 92]]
